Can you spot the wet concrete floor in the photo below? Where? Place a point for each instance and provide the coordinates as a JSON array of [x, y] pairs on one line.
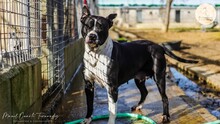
[[207, 97], [183, 110]]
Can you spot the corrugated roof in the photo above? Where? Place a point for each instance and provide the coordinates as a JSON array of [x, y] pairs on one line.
[[156, 3], [194, 2]]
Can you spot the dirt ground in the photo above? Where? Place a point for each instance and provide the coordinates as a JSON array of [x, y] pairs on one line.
[[203, 46]]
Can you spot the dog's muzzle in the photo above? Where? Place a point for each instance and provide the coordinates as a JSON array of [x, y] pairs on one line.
[[92, 40]]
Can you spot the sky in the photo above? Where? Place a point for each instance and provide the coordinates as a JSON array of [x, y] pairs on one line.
[[189, 2]]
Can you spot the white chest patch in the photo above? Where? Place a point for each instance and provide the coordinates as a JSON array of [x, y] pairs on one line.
[[97, 63]]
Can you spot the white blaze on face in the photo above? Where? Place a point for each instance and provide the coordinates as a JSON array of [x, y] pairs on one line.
[[93, 32], [95, 21]]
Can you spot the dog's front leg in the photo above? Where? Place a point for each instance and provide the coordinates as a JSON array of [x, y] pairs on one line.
[[89, 90], [112, 104]]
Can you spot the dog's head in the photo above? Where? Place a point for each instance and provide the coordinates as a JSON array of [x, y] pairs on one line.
[[95, 28]]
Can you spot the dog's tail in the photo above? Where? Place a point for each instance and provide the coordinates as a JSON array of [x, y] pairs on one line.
[[172, 55]]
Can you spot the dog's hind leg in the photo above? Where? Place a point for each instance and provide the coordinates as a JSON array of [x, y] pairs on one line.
[[89, 90], [160, 79], [161, 87], [143, 90]]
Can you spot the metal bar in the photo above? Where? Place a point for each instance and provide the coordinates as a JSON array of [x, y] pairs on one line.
[[20, 26]]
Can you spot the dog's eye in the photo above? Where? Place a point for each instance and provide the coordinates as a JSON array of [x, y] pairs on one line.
[[99, 26], [91, 24]]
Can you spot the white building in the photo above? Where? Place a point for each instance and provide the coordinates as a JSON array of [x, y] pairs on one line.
[[151, 13]]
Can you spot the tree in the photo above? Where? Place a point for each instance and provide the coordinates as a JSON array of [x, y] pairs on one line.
[[167, 16]]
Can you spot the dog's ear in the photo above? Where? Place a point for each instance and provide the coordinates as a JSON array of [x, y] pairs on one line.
[[110, 18], [85, 13]]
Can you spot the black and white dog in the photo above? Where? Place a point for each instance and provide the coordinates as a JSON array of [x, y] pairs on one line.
[[111, 64]]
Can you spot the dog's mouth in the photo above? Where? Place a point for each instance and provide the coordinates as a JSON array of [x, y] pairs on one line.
[[92, 44], [92, 41]]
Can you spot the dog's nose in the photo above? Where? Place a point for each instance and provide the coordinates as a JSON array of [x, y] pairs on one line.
[[92, 37]]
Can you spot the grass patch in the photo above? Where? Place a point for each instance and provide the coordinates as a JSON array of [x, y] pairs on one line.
[[213, 30], [194, 29], [122, 40], [184, 29]]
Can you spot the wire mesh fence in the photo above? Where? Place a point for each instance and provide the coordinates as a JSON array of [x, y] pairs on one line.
[[19, 31], [39, 28], [59, 28]]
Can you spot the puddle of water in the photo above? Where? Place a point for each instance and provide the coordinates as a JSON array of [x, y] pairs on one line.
[[207, 98]]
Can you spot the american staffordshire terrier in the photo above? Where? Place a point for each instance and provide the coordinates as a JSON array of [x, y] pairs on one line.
[[111, 64]]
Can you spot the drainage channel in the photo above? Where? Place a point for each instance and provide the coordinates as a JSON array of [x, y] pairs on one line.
[[206, 97]]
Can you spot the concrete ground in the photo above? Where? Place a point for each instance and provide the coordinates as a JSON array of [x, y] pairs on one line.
[[182, 109]]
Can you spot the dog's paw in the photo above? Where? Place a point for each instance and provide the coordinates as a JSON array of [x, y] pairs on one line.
[[165, 119], [86, 121], [136, 107]]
